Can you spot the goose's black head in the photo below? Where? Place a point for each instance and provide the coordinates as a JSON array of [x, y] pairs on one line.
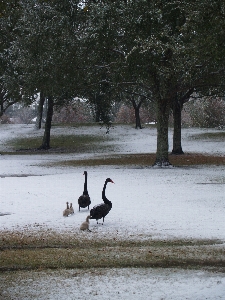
[[85, 173]]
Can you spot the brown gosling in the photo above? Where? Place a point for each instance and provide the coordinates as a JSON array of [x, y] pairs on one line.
[[85, 225], [66, 212], [71, 208]]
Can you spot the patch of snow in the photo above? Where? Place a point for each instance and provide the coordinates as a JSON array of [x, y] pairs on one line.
[[148, 202], [126, 284]]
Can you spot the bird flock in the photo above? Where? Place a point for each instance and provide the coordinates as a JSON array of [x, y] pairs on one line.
[[98, 212]]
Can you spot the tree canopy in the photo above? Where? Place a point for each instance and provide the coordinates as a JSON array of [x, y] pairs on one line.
[[105, 50]]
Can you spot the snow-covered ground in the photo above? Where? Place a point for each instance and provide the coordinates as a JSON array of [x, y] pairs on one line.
[[116, 284], [156, 203]]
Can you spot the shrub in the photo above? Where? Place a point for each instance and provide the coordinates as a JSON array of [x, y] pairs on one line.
[[207, 112]]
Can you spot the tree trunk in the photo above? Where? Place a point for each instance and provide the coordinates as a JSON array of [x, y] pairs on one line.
[[1, 106], [97, 115], [137, 112], [137, 117], [46, 139], [40, 111], [163, 110], [177, 108]]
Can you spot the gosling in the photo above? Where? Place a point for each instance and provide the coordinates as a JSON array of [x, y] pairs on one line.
[[85, 225], [71, 208], [66, 212]]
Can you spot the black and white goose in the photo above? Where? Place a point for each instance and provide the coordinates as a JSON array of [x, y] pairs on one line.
[[84, 200], [99, 211]]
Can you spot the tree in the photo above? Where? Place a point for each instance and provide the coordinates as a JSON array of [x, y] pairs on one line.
[[40, 111], [137, 111], [136, 96], [158, 51], [97, 51], [172, 53], [146, 36], [101, 58], [177, 107], [10, 83], [46, 139], [207, 78], [47, 50]]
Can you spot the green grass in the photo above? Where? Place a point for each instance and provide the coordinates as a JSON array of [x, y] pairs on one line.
[[75, 125], [209, 136], [61, 143], [55, 250], [144, 160], [52, 250], [97, 144]]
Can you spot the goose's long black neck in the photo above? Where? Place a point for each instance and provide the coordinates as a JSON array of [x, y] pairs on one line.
[[106, 201], [85, 192]]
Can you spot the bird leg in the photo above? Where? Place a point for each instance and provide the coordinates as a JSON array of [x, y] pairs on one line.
[[98, 223]]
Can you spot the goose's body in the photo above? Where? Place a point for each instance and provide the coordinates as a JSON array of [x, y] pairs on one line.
[[99, 211], [84, 200], [85, 225], [71, 208], [66, 212]]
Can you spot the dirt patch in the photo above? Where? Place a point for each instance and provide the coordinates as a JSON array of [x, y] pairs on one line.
[[54, 250], [145, 160]]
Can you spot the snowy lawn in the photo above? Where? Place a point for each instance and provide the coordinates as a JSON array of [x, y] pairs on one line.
[[149, 205]]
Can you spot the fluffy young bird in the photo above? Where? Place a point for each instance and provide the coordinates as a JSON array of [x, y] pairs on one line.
[[66, 212], [85, 225], [71, 208]]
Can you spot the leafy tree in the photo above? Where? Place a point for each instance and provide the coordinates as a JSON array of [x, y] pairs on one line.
[[101, 59], [40, 110], [160, 53], [207, 74], [136, 96], [146, 36], [47, 50], [10, 83], [164, 46], [177, 107], [103, 49]]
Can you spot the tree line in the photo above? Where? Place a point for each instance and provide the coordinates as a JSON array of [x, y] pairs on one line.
[[105, 51]]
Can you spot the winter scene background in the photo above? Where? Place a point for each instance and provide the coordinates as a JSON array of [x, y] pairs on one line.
[[148, 204], [153, 72]]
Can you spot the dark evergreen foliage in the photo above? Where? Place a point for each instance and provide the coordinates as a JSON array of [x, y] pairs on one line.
[[109, 51]]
